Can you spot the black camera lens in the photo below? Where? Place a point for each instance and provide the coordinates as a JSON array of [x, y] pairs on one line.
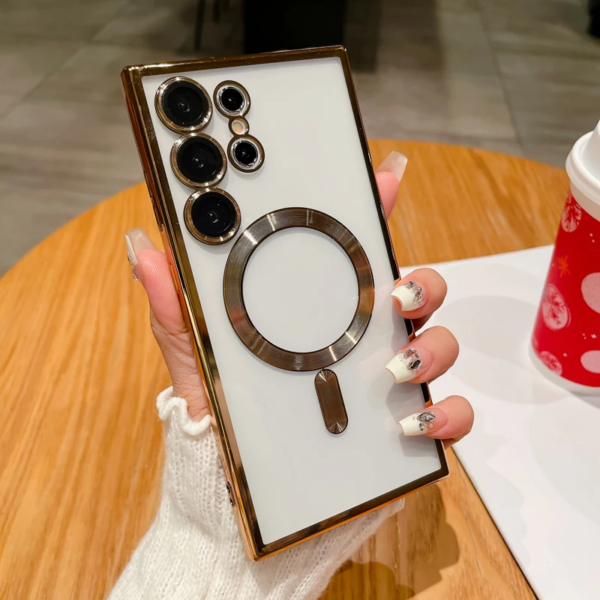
[[246, 153], [232, 99], [214, 215], [183, 104], [200, 160]]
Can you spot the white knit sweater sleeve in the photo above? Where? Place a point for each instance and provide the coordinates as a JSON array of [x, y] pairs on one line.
[[193, 550]]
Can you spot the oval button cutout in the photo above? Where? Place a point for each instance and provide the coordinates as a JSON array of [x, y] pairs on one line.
[[331, 401]]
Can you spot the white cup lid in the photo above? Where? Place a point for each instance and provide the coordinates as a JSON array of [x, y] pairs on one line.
[[583, 164], [590, 153]]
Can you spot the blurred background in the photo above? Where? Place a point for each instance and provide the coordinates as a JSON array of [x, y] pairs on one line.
[[515, 76]]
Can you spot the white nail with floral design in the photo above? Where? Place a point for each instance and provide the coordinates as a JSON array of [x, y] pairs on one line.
[[417, 424], [405, 366], [410, 295]]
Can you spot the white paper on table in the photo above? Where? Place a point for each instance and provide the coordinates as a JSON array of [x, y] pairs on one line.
[[534, 452]]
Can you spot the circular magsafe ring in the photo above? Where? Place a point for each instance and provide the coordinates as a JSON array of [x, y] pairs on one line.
[[233, 283]]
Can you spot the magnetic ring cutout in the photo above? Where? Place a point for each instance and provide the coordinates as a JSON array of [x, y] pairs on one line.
[[183, 105], [246, 153], [232, 99], [233, 283], [212, 216], [198, 160]]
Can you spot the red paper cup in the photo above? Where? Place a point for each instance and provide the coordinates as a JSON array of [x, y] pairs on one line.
[[566, 336]]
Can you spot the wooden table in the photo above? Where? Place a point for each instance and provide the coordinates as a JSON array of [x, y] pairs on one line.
[[80, 443]]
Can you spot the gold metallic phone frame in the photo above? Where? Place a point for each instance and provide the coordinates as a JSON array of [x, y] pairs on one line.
[[168, 222]]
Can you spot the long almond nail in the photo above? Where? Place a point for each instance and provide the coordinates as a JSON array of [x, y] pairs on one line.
[[394, 163], [136, 241], [405, 366], [410, 295], [424, 422]]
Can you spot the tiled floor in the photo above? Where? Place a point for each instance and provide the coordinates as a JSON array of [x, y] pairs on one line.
[[514, 76]]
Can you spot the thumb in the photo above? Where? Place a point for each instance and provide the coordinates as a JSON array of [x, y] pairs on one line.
[[151, 268]]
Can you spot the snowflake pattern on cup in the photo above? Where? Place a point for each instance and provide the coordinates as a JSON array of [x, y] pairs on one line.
[[554, 309], [571, 215], [551, 362]]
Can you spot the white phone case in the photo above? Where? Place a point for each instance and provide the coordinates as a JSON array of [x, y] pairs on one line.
[[289, 476]]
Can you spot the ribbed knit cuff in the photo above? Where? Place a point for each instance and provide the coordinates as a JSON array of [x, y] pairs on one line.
[[172, 407]]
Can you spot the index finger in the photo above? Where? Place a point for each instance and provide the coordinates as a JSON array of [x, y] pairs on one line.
[[389, 174]]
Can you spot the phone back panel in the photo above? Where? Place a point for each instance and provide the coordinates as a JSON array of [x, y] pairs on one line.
[[300, 290]]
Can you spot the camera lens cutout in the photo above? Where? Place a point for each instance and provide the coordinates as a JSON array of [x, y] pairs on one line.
[[183, 105], [212, 216], [198, 160], [232, 99], [246, 153]]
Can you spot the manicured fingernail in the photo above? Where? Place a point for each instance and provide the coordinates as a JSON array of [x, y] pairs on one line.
[[405, 366], [136, 241], [410, 295], [394, 163], [424, 422]]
